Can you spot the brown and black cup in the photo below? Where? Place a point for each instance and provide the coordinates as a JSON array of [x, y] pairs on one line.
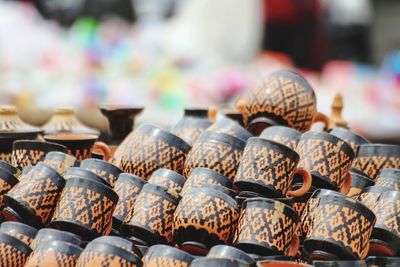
[[85, 208], [78, 172], [284, 135], [168, 179], [204, 176], [7, 181], [34, 199], [13, 252], [49, 234], [106, 170], [10, 168], [60, 161], [229, 252], [359, 182], [119, 242], [268, 167], [162, 255], [230, 127], [23, 232], [370, 195], [353, 139], [390, 178]]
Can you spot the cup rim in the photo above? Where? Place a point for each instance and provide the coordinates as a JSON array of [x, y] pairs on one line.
[[131, 178], [232, 249], [227, 139], [91, 184], [360, 139], [173, 175], [106, 248], [283, 147], [57, 232], [100, 162], [8, 177], [15, 242], [161, 191], [371, 150], [389, 173], [241, 132], [20, 227], [161, 250], [210, 173], [214, 192], [281, 130], [59, 246], [291, 212], [77, 173]]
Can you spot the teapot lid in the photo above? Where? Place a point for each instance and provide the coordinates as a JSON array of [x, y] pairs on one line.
[[11, 123]]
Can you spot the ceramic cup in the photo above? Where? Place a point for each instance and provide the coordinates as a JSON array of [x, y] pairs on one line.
[[102, 254], [387, 226], [268, 263], [79, 145], [30, 152], [211, 262], [10, 168], [162, 255], [13, 252], [106, 170], [149, 148], [168, 179], [219, 152], [194, 122], [341, 229], [34, 199], [119, 242], [23, 232], [151, 217], [203, 176], [372, 158], [267, 227], [283, 98], [389, 178], [60, 161], [328, 158], [78, 172], [228, 252], [284, 135], [54, 253], [339, 263], [204, 217], [230, 127], [128, 187], [374, 261], [7, 181], [369, 196], [48, 234], [268, 167], [85, 208], [358, 183], [353, 139]]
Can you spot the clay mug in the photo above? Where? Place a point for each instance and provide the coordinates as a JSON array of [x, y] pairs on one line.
[[60, 161], [104, 169], [204, 176], [229, 127], [119, 242], [168, 179], [389, 178], [358, 183], [78, 172], [229, 252], [162, 255], [23, 232], [48, 234], [13, 252], [370, 195], [10, 168], [353, 139], [281, 134]]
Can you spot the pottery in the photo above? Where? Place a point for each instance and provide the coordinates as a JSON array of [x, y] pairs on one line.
[[370, 195], [284, 135], [211, 262], [121, 120], [34, 199], [60, 161], [75, 212], [27, 169], [340, 264], [228, 252], [341, 229], [219, 152], [65, 121], [78, 172], [119, 242], [194, 122], [234, 115], [205, 217], [79, 145], [328, 158], [13, 252], [374, 261], [10, 168], [387, 226], [230, 192], [353, 139], [372, 158], [127, 187], [168, 179], [30, 152], [243, 195], [48, 234], [389, 178], [358, 183], [7, 181], [149, 148], [54, 253], [151, 217], [102, 254], [229, 127], [12, 128], [268, 263], [283, 98], [106, 170], [268, 167], [166, 256], [203, 176], [23, 232]]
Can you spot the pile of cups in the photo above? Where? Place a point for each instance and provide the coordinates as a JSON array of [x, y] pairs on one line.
[[210, 193]]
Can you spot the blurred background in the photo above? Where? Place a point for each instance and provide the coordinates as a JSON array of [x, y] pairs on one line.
[[170, 54]]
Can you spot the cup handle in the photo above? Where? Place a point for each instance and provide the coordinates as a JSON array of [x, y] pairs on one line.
[[240, 105], [307, 180], [346, 184], [321, 117], [103, 147], [294, 247]]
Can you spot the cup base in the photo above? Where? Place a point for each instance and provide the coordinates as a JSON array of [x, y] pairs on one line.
[[196, 236], [257, 249], [15, 211], [316, 247], [85, 234], [194, 248], [142, 233]]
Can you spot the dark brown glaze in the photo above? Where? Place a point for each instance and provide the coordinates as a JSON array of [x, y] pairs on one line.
[[203, 176], [48, 234], [7, 181], [230, 127], [13, 252], [10, 168], [168, 179], [60, 161], [166, 256], [284, 135], [228, 252], [23, 232], [106, 170]]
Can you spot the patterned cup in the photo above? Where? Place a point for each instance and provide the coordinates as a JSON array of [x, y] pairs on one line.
[[7, 181], [205, 217], [353, 139], [54, 253], [372, 158], [34, 199], [106, 170], [358, 183], [85, 208], [203, 176], [267, 227], [166, 256], [284, 135], [151, 217], [13, 252], [127, 187], [78, 172], [119, 242], [385, 240], [23, 232], [228, 252], [283, 98], [30, 152], [219, 152], [341, 229], [168, 179], [369, 196], [376, 261], [149, 148], [102, 254], [60, 161], [389, 178], [10, 168], [47, 234], [268, 168], [230, 127], [328, 158]]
